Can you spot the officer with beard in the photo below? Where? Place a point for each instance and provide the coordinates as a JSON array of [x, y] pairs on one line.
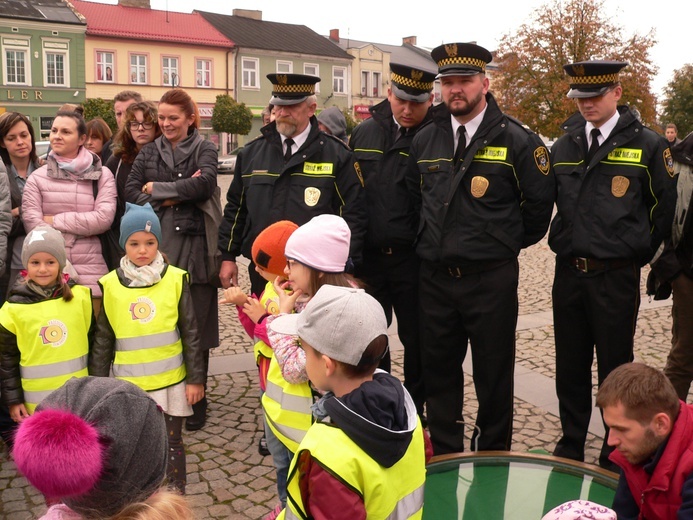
[[486, 190], [292, 171]]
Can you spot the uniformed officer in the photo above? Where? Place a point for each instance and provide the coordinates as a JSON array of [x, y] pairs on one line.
[[615, 205], [391, 266], [292, 171], [486, 191]]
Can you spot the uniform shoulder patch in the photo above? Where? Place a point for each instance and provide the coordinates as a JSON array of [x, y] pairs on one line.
[[669, 162], [541, 158], [357, 169]]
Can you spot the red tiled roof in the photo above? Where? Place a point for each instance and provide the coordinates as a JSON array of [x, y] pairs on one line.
[[149, 24]]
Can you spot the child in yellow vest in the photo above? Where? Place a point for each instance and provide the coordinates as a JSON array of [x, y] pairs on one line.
[[365, 455], [268, 257], [146, 331], [45, 325]]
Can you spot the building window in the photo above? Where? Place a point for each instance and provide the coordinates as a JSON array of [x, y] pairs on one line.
[[250, 68], [55, 69], [376, 84], [365, 76], [285, 67], [203, 73], [339, 80], [56, 63], [16, 67], [169, 72], [138, 69], [104, 67], [312, 69]]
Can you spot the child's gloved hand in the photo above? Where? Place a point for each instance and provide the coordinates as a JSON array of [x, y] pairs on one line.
[[234, 295]]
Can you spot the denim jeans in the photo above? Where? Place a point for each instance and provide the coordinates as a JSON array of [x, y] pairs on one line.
[[282, 459]]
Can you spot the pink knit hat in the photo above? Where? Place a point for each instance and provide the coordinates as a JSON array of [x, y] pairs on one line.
[[580, 510], [322, 243]]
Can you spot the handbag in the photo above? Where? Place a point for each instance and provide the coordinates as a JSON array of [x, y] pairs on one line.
[[110, 248], [213, 214]]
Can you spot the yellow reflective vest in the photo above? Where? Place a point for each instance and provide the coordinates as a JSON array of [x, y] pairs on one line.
[[287, 407], [394, 493], [148, 348], [270, 301], [52, 338]]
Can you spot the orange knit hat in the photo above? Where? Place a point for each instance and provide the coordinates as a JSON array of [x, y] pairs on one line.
[[268, 248]]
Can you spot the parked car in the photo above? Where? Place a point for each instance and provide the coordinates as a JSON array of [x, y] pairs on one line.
[[227, 163], [42, 149]]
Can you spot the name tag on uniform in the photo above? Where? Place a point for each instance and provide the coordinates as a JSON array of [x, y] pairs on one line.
[[492, 153], [625, 155], [318, 168]]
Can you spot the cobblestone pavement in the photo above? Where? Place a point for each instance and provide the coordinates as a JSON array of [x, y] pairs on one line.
[[227, 478]]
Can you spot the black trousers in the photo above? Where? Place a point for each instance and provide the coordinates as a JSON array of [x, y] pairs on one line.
[[393, 280], [479, 308], [590, 310]]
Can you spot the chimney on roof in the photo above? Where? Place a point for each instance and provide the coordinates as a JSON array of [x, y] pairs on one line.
[[247, 13], [334, 35], [142, 4], [411, 40]]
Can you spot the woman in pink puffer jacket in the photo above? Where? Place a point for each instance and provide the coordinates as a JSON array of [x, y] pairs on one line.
[[61, 194]]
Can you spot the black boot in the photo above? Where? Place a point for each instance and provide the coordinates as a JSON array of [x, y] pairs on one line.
[[199, 417]]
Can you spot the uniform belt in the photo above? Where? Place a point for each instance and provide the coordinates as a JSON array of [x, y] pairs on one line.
[[458, 271], [389, 251], [587, 265]]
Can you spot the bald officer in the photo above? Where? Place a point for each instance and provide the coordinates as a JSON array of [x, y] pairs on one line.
[[616, 198], [486, 190], [391, 266]]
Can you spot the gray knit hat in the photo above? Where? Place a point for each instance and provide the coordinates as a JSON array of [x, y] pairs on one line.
[[97, 444], [139, 218], [44, 239]]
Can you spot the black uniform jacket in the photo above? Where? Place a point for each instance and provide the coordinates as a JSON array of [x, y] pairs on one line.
[[321, 177], [495, 201], [621, 204], [393, 218]]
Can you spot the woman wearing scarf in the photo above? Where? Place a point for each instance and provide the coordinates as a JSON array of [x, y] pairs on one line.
[[76, 195], [176, 173]]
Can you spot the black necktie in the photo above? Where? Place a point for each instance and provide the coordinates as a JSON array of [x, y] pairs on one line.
[[594, 145], [461, 144], [289, 143], [398, 133]]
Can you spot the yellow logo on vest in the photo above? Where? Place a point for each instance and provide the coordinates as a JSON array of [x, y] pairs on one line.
[[625, 155], [318, 168], [311, 196], [619, 186], [492, 153], [272, 307], [54, 334], [143, 309], [479, 186]]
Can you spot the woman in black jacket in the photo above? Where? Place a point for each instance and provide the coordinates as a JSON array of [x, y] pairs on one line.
[[176, 173]]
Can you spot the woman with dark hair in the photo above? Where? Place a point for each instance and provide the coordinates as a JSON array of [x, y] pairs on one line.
[[99, 139], [18, 153], [140, 126], [177, 173], [76, 195]]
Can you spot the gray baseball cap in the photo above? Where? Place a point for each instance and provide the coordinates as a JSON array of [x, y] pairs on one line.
[[339, 322]]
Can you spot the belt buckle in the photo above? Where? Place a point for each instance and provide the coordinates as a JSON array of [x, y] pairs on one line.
[[455, 272], [581, 264], [386, 250]]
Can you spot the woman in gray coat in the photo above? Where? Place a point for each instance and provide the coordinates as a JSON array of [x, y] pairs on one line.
[[176, 173]]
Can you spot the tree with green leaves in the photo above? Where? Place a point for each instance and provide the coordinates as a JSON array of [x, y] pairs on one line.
[[231, 117], [530, 83], [678, 101], [103, 108]]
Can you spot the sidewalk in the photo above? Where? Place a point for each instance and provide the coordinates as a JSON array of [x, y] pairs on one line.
[[228, 479]]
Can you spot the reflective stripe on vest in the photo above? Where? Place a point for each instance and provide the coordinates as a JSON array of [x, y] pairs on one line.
[[287, 407], [148, 348], [53, 343], [394, 493]]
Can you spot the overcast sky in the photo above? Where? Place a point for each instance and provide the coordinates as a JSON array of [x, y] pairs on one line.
[[483, 21]]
